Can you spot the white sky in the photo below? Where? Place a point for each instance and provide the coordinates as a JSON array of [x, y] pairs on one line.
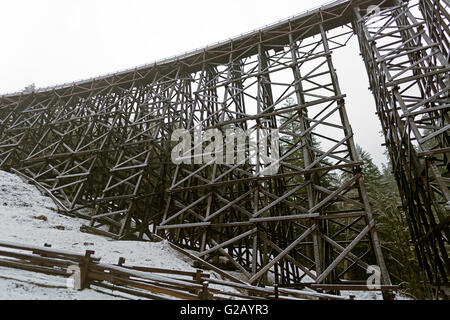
[[49, 42]]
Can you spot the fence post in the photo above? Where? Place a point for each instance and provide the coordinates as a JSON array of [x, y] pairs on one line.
[[198, 277], [275, 287], [85, 269], [204, 294]]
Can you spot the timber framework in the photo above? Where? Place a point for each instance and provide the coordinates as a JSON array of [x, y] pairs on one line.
[[101, 148]]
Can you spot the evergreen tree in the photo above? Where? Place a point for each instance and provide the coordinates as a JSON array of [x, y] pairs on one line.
[[30, 88], [392, 226]]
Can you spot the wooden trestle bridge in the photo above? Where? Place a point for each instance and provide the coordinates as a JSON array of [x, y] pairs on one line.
[[101, 148]]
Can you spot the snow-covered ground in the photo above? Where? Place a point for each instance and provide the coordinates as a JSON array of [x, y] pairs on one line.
[[28, 217]]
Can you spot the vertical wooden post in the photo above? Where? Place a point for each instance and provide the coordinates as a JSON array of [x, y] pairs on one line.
[[204, 294], [275, 287], [198, 276], [84, 267]]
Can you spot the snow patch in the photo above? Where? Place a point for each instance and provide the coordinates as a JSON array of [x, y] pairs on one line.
[[28, 217]]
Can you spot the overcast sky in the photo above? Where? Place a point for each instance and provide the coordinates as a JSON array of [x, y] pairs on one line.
[[49, 42]]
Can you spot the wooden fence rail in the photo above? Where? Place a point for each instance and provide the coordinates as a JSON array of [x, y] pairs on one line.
[[140, 281]]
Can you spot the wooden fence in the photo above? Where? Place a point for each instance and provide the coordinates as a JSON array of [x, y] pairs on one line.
[[141, 281]]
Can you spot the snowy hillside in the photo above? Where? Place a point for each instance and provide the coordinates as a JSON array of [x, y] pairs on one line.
[[27, 217]]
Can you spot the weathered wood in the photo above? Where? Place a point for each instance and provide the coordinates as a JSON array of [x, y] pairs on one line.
[[103, 146], [128, 279]]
